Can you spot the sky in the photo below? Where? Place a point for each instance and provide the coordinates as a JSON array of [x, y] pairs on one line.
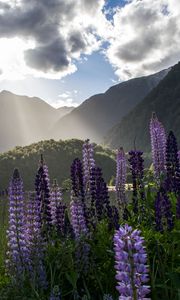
[[65, 51]]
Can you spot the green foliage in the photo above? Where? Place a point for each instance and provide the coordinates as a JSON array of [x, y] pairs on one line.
[[58, 155]]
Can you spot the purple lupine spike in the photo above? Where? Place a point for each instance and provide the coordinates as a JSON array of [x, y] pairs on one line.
[[137, 170], [78, 185], [172, 181], [57, 208], [163, 213], [80, 230], [43, 194], [131, 260], [99, 193], [121, 175], [35, 242], [100, 203], [17, 253], [77, 179], [172, 165], [88, 163], [78, 220], [158, 145]]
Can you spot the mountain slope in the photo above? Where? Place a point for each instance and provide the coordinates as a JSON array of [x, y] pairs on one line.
[[164, 100], [24, 120], [58, 156], [100, 112]]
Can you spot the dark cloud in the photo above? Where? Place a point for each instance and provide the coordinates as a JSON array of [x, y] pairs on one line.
[[48, 57], [4, 6], [76, 41], [139, 48]]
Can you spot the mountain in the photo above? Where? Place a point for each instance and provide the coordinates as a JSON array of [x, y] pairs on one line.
[[164, 100], [58, 156], [24, 120], [64, 110], [100, 112]]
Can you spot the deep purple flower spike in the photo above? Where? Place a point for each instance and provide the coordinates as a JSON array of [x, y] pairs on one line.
[[43, 194]]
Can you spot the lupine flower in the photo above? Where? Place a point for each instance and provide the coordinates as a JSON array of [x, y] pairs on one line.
[[100, 203], [88, 163], [137, 170], [172, 164], [57, 207], [121, 174], [80, 232], [131, 260], [35, 243], [43, 195], [17, 249], [55, 200], [163, 214], [77, 217], [78, 184], [99, 194], [77, 179], [158, 145]]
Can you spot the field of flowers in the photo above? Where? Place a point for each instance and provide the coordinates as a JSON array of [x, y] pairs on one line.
[[92, 248]]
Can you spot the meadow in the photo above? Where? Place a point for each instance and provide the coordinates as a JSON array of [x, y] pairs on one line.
[[89, 243]]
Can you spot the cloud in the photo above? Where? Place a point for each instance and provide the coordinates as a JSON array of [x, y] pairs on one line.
[[139, 38], [69, 102], [60, 32], [145, 37]]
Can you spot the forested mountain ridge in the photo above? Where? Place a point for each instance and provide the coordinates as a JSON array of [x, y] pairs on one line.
[[164, 100]]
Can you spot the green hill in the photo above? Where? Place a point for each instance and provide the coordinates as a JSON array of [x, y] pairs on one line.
[[58, 156], [164, 100]]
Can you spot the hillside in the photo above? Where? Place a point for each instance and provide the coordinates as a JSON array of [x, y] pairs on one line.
[[24, 120], [100, 112], [57, 155], [164, 100]]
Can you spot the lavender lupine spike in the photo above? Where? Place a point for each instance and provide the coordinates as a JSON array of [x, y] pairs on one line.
[[88, 163], [57, 207], [80, 232], [43, 194], [17, 250], [158, 145], [131, 264], [35, 242], [121, 175], [137, 169], [78, 220], [163, 213]]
